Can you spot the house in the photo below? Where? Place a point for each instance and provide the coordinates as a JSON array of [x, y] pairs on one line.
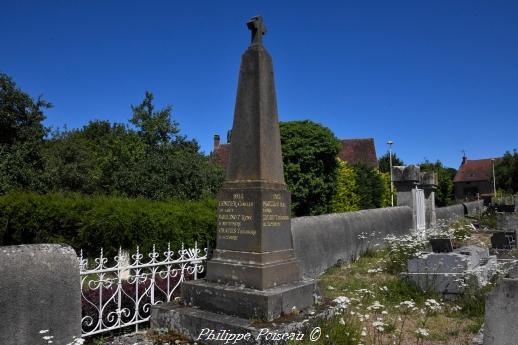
[[359, 151], [474, 179], [352, 151]]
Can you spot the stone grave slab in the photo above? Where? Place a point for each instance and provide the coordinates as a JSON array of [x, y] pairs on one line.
[[448, 273]]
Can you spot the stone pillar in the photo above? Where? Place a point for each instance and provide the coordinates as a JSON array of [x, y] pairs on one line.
[[428, 183], [502, 312], [406, 179], [40, 294]]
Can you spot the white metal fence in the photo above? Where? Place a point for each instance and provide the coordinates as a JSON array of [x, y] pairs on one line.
[[121, 295]]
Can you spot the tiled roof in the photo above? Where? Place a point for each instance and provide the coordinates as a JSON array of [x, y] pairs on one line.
[[352, 151], [475, 170], [359, 151], [220, 155]]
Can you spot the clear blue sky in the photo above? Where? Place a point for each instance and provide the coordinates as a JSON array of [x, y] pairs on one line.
[[436, 77]]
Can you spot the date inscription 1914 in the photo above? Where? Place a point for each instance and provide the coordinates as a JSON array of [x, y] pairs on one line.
[[236, 216]]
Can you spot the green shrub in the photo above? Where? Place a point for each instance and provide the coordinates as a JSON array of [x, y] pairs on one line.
[[92, 222]]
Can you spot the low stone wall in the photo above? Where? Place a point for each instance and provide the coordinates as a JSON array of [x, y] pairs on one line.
[[458, 210], [39, 292], [473, 206], [449, 212], [321, 242]]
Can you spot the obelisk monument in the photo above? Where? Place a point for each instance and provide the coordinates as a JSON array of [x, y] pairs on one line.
[[253, 273], [254, 242]]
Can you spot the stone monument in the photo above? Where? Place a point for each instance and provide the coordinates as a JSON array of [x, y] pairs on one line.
[[253, 273]]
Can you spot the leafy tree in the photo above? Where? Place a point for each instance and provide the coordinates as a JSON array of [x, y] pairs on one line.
[[21, 135], [21, 117], [310, 167], [152, 161], [92, 159], [346, 198], [370, 186], [386, 199], [444, 195], [384, 162], [155, 127], [506, 172]]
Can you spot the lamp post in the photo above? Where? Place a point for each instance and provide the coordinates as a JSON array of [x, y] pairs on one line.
[[390, 142], [494, 177]]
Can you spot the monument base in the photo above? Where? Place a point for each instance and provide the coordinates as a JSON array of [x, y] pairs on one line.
[[212, 328], [267, 305], [255, 270]]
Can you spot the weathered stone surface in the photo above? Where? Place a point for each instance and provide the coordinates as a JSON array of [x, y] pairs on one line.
[[255, 152], [408, 173], [428, 183], [507, 221], [406, 180], [40, 291], [254, 205], [459, 210], [459, 260], [254, 243], [249, 303], [428, 178], [501, 313], [193, 322], [473, 207], [323, 241], [253, 272], [449, 273], [449, 212]]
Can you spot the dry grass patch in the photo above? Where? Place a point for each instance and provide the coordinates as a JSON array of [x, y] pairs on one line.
[[379, 308]]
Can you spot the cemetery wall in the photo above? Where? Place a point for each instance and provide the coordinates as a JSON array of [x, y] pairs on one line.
[[473, 206], [323, 241], [458, 210], [449, 212], [40, 292]]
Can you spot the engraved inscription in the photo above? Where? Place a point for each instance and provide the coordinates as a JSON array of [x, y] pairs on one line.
[[235, 218], [274, 211]]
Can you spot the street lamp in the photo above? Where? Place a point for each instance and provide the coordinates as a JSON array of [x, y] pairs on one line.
[[390, 142], [494, 177]]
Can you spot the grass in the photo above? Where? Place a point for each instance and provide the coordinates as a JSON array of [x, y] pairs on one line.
[[368, 285]]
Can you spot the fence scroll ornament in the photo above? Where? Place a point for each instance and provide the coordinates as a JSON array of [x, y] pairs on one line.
[[121, 295]]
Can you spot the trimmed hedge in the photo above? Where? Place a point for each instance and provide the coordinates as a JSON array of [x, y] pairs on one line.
[[94, 222]]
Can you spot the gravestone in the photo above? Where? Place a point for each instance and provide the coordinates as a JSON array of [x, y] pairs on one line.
[[41, 295], [507, 230], [447, 273], [428, 183], [507, 221], [503, 240], [406, 180], [253, 273], [441, 245], [501, 312]]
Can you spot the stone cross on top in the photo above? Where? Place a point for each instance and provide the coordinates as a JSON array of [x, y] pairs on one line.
[[256, 25]]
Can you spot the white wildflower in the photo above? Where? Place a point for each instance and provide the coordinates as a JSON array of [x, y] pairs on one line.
[[379, 325], [422, 332], [375, 306]]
